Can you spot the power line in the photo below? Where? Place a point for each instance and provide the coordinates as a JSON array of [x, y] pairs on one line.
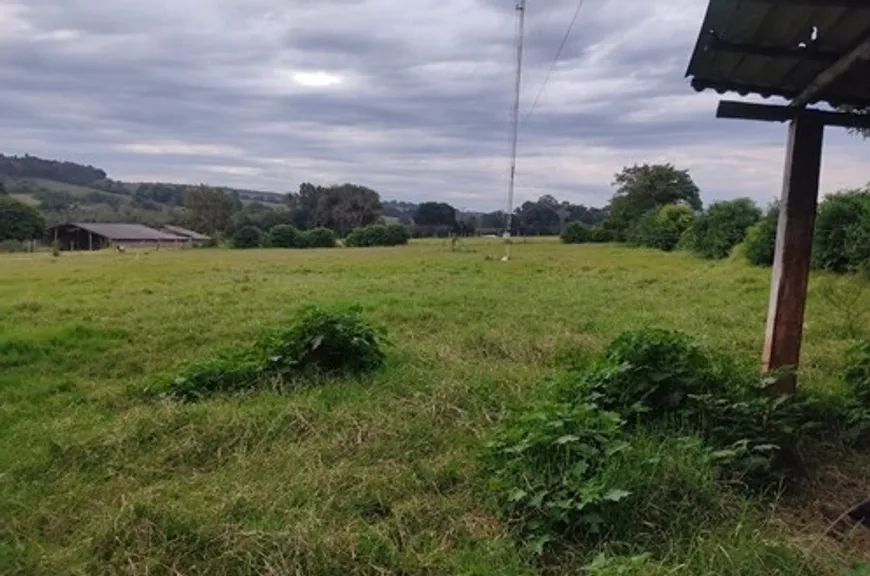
[[555, 60]]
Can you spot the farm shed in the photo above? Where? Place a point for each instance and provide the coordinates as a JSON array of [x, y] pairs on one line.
[[805, 52], [94, 236], [195, 238]]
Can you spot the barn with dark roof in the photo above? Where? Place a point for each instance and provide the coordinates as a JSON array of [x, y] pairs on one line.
[[96, 236]]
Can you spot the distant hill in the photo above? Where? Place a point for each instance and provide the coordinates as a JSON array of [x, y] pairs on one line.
[[66, 190]]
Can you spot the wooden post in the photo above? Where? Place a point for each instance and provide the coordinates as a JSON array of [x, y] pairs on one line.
[[794, 241], [90, 241]]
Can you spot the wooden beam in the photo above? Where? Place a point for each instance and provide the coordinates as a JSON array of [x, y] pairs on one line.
[[782, 52], [794, 241], [776, 113], [831, 74]]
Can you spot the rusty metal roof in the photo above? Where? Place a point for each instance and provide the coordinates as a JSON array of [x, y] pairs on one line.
[[128, 232], [779, 47]]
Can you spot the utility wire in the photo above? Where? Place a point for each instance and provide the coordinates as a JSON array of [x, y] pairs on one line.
[[555, 60]]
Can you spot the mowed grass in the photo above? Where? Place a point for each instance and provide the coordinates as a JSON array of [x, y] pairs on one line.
[[374, 476]]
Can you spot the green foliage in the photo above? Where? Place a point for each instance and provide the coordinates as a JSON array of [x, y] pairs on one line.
[[760, 242], [319, 238], [379, 235], [285, 236], [723, 226], [575, 233], [857, 372], [248, 237], [541, 465], [320, 343], [662, 228], [13, 246], [641, 189], [599, 234], [210, 209], [18, 221], [842, 235]]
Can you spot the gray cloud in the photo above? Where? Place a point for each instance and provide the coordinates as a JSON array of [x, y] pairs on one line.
[[411, 99]]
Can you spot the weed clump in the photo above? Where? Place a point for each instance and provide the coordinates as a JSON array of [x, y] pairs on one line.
[[654, 431], [321, 343]]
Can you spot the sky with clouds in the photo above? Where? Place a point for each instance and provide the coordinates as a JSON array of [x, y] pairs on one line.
[[410, 98]]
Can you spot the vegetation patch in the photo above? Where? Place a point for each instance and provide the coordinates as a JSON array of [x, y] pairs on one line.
[[391, 235], [654, 430], [321, 343]]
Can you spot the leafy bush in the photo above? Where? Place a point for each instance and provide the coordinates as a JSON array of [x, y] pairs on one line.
[[330, 342], [378, 235], [662, 228], [285, 236], [18, 221], [723, 226], [857, 372], [598, 234], [541, 464], [842, 236], [760, 243], [248, 237], [322, 342], [568, 472], [658, 377], [575, 233], [319, 238]]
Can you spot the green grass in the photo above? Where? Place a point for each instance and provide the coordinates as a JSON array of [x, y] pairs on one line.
[[369, 476]]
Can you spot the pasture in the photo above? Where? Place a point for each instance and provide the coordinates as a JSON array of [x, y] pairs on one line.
[[375, 476]]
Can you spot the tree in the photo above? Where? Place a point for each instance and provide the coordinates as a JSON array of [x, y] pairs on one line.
[[723, 227], [640, 189], [662, 228], [18, 221], [248, 237], [435, 214], [285, 236], [842, 238], [340, 208], [211, 210], [539, 218], [760, 242], [3, 191]]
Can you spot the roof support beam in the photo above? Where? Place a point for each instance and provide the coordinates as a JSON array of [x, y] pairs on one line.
[[774, 51], [794, 242], [776, 113], [830, 75]]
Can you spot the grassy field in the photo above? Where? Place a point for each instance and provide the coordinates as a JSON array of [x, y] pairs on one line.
[[359, 477]]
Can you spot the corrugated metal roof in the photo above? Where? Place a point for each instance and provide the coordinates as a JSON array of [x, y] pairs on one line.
[[778, 47], [132, 232], [185, 232]]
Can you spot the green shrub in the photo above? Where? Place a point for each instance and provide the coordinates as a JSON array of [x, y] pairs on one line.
[[565, 473], [842, 235], [378, 235], [857, 372], [541, 463], [759, 245], [319, 238], [650, 372], [285, 236], [662, 228], [598, 234], [663, 378], [723, 226], [321, 343], [329, 342], [248, 237], [575, 233]]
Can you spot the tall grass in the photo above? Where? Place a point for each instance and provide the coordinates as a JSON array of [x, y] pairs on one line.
[[376, 475]]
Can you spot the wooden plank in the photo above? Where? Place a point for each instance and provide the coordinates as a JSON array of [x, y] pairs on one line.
[[776, 113], [859, 54], [780, 52], [794, 240]]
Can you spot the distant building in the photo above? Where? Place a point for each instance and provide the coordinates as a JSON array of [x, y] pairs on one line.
[[96, 236], [195, 238]]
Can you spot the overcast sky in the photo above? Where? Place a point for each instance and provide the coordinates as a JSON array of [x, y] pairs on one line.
[[409, 97]]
